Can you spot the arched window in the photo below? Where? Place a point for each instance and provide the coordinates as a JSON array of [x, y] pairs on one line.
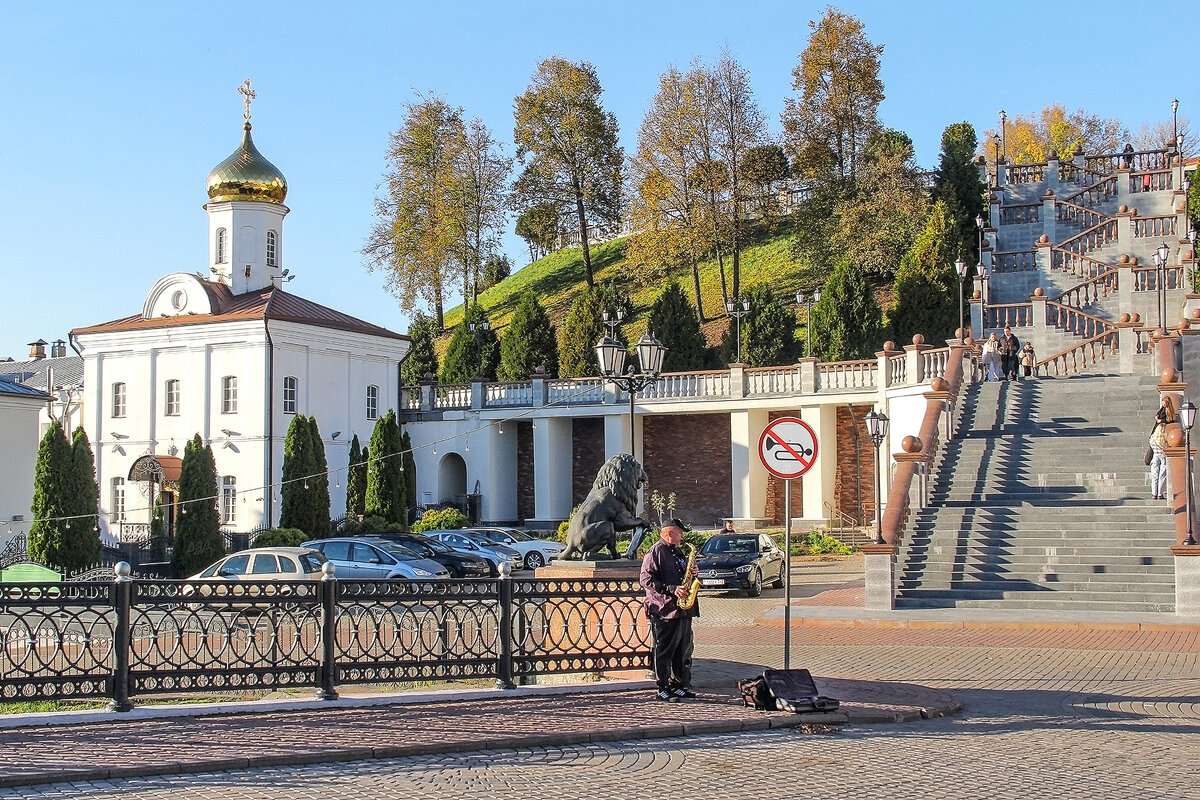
[[222, 246], [271, 261], [291, 393], [228, 500]]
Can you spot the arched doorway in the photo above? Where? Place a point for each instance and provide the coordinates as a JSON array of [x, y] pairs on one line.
[[452, 481]]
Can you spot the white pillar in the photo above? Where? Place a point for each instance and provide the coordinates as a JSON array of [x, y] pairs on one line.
[[748, 474], [552, 468], [817, 483]]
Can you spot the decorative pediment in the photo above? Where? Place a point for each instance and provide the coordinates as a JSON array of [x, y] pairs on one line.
[[177, 294]]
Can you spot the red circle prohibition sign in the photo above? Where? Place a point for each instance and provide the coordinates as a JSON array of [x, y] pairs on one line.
[[788, 447]]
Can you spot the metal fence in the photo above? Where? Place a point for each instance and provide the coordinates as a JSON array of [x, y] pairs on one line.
[[131, 637]]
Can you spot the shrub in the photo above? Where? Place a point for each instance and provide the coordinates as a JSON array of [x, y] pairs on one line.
[[817, 544], [440, 519], [281, 537], [364, 526]]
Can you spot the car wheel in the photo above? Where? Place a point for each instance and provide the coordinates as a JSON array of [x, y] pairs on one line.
[[782, 575], [534, 559], [755, 587]]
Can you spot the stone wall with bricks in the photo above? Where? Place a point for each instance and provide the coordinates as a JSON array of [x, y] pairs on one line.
[[690, 455]]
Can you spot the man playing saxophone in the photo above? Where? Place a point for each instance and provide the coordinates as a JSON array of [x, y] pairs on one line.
[[666, 576]]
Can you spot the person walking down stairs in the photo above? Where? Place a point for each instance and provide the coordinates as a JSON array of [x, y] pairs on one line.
[[1158, 459], [990, 359], [1010, 352]]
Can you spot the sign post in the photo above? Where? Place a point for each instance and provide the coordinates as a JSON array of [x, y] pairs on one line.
[[788, 449]]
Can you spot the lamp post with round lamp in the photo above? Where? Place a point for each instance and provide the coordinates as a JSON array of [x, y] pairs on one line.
[[1160, 278], [877, 428], [738, 308], [808, 301], [1187, 417], [960, 267]]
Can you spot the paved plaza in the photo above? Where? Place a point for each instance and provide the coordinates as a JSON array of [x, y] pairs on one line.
[[951, 704]]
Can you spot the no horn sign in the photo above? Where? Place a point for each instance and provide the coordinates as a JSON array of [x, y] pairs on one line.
[[788, 447]]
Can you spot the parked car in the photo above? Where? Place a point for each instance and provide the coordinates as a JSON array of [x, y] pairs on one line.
[[473, 543], [363, 558], [257, 566], [741, 561], [458, 563], [535, 552]]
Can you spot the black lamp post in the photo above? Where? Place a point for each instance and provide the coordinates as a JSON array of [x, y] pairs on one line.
[[1160, 277], [1195, 260], [478, 329], [737, 309], [877, 428], [1175, 124], [996, 156], [1187, 416], [808, 301], [611, 354], [1004, 133], [984, 275], [960, 267]]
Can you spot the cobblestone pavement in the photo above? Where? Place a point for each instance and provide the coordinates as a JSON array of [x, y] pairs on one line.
[[1057, 708]]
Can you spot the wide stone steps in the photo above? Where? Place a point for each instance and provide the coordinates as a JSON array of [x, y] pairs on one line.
[[1040, 500]]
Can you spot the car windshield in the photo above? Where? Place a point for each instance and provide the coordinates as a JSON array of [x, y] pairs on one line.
[[728, 545], [498, 537], [398, 550], [419, 549], [437, 546], [311, 562], [520, 536]]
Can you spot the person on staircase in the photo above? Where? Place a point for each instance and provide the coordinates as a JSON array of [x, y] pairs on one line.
[[1158, 440], [990, 359], [1010, 354], [1028, 360]]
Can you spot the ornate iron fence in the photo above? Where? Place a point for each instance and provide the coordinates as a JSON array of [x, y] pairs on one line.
[[124, 638]]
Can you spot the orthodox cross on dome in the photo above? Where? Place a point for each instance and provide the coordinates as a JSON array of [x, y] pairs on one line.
[[249, 94]]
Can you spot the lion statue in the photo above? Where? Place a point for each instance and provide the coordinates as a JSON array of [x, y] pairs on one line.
[[609, 508]]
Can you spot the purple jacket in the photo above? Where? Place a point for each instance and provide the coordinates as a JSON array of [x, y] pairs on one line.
[[662, 574]]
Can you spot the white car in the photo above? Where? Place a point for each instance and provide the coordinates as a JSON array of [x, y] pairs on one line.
[[535, 552], [469, 541]]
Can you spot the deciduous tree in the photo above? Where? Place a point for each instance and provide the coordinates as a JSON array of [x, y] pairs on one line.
[[480, 175], [1029, 138], [413, 236], [568, 146], [496, 268], [827, 127], [538, 226]]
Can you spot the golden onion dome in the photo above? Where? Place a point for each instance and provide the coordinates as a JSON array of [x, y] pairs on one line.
[[247, 175]]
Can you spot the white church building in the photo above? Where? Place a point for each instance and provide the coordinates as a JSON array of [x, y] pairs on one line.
[[228, 354]]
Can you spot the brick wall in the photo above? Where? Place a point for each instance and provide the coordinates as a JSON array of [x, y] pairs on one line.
[[690, 454], [854, 481], [587, 455], [525, 500]]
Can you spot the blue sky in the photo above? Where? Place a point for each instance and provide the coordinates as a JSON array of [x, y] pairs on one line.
[[115, 112]]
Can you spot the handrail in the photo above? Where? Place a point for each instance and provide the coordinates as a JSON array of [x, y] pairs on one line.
[[1075, 359], [1014, 261], [1091, 238], [1076, 264], [1091, 290], [896, 511], [1137, 160], [1066, 211], [1072, 320], [1096, 193]]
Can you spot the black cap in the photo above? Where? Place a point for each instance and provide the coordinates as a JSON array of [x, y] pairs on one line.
[[678, 523]]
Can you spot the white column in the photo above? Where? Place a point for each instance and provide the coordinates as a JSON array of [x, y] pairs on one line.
[[748, 474], [616, 434], [499, 479], [817, 483], [552, 468]]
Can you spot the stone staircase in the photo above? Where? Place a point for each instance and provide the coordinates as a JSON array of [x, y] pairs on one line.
[[1040, 500]]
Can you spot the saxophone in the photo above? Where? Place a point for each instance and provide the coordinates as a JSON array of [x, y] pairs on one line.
[[694, 588]]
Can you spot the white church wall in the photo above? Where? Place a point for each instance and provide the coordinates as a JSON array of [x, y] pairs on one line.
[[19, 438]]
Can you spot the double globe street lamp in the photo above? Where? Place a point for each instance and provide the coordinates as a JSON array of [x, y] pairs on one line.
[[1160, 278], [612, 354], [960, 267]]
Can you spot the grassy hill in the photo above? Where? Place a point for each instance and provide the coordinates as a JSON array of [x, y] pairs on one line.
[[557, 280]]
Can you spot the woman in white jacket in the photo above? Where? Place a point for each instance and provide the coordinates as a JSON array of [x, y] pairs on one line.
[[991, 358]]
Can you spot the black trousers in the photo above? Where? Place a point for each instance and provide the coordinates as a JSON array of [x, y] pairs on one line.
[[673, 647]]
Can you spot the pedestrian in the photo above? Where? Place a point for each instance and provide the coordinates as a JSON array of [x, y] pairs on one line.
[[1028, 359], [666, 582], [1010, 352], [1127, 155], [728, 527], [1158, 440], [990, 358]]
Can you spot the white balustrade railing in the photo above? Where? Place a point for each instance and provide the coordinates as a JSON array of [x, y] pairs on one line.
[[688, 385], [772, 380], [934, 363], [575, 392], [454, 396], [838, 375]]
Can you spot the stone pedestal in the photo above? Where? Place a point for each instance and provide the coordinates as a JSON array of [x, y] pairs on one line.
[[1187, 579], [879, 566], [601, 570]]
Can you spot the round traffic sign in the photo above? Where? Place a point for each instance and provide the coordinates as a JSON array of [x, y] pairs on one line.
[[788, 447]]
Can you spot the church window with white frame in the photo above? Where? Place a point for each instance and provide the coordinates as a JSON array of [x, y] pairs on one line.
[[228, 499], [372, 402], [118, 399], [291, 394], [171, 398], [271, 249], [229, 394], [222, 245], [118, 500]]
